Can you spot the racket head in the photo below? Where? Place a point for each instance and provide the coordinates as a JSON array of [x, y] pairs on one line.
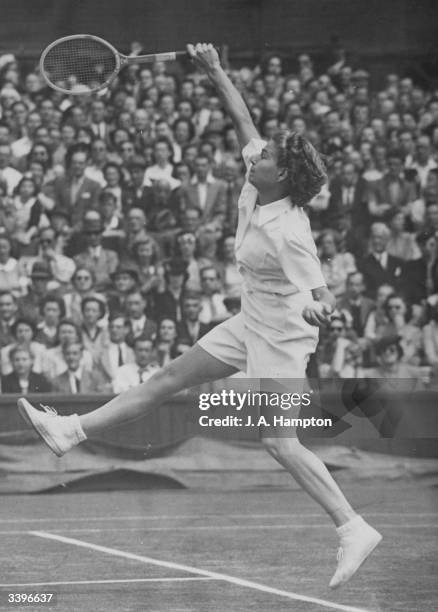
[[80, 64]]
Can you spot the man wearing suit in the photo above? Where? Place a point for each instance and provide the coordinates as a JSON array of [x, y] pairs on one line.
[[75, 379], [102, 261], [348, 202], [190, 329], [379, 267], [205, 192], [116, 353], [75, 192], [98, 125], [23, 379], [355, 307], [392, 192], [139, 324]]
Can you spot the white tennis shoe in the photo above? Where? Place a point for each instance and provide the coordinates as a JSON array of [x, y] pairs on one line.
[[60, 433], [357, 542]]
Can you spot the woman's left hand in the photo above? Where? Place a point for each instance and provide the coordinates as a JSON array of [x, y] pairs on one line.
[[318, 313]]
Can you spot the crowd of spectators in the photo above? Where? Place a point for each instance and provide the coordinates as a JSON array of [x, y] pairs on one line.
[[118, 213]]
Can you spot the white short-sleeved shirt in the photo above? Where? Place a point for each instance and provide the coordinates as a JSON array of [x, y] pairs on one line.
[[275, 250]]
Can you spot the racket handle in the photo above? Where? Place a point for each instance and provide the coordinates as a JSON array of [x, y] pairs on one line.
[[153, 57]]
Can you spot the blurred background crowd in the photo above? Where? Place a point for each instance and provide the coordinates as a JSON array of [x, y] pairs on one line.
[[118, 214]]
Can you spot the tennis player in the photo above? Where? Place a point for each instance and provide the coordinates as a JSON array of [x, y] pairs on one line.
[[284, 301]]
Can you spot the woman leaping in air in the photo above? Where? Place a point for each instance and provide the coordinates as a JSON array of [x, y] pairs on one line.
[[284, 301]]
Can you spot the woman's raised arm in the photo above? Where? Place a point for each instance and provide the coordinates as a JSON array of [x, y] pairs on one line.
[[206, 57]]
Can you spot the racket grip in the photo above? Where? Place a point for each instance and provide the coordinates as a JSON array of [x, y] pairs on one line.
[[168, 57]]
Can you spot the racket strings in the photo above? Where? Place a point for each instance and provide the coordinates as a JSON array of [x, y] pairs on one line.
[[79, 63]]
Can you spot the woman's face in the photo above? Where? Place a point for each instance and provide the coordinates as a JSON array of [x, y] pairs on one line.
[[91, 313], [264, 170], [83, 280], [124, 282], [24, 333], [389, 356], [328, 246], [112, 176], [167, 330], [52, 313], [67, 333], [27, 189]]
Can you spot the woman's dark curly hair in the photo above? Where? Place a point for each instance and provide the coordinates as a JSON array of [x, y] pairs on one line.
[[306, 169]]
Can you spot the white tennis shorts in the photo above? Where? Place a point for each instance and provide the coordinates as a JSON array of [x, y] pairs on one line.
[[268, 339]]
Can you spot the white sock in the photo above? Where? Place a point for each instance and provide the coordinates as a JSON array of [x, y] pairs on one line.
[[349, 525], [78, 433]]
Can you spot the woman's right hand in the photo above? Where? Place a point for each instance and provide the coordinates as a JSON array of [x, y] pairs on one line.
[[205, 56]]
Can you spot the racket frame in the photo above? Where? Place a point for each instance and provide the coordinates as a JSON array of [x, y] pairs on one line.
[[121, 61]]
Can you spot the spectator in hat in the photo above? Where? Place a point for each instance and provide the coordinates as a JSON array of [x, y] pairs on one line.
[[75, 191], [102, 261], [52, 310], [10, 276], [125, 279], [167, 297], [76, 379], [23, 332], [41, 284], [23, 379], [94, 335]]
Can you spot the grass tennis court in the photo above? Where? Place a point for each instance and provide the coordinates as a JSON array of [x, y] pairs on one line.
[[191, 551]]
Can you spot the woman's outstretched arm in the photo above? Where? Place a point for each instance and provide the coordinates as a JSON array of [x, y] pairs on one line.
[[206, 57]]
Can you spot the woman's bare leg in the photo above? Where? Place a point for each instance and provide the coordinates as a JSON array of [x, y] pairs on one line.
[[193, 368]]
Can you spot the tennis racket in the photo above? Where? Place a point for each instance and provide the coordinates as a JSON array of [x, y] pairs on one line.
[[84, 63]]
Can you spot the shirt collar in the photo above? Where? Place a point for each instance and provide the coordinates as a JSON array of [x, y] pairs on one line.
[[273, 209]]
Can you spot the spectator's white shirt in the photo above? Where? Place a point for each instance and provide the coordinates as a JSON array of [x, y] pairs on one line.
[[113, 356], [95, 174], [21, 147], [423, 171], [130, 375], [11, 177], [213, 309], [75, 380], [157, 173]]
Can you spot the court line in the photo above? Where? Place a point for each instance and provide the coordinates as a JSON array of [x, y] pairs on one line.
[[108, 581], [194, 570], [159, 517], [290, 527]]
